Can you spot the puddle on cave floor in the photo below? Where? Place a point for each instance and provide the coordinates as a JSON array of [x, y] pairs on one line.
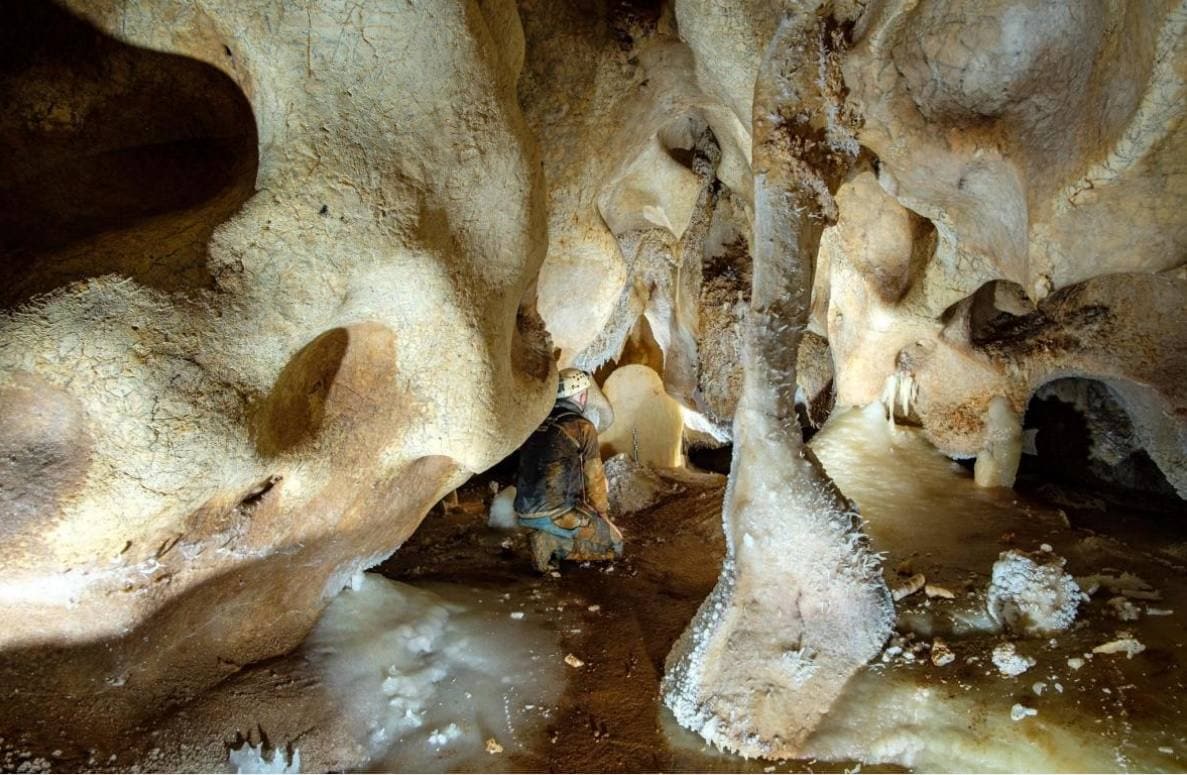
[[480, 613], [927, 515]]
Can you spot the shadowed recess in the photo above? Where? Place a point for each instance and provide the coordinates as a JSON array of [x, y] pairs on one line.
[[119, 159]]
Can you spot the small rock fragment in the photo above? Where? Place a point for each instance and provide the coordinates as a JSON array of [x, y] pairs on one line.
[[1009, 662], [573, 661], [517, 614], [1075, 663], [492, 746], [1124, 643], [593, 609], [935, 590], [908, 587], [1158, 611], [1020, 711], [941, 654], [1038, 688]]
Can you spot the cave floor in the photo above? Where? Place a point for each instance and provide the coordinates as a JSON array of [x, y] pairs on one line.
[[925, 514], [1081, 710], [620, 620]]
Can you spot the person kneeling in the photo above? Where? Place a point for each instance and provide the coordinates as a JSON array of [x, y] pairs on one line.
[[561, 493]]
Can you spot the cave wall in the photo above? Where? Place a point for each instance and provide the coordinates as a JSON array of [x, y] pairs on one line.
[[242, 402], [1003, 152], [1018, 207]]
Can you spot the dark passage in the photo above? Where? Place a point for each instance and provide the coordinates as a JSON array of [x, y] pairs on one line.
[[118, 159]]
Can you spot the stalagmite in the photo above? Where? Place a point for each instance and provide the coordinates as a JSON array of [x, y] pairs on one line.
[[997, 465], [800, 603]]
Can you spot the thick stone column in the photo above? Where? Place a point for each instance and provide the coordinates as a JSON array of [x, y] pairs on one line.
[[800, 603]]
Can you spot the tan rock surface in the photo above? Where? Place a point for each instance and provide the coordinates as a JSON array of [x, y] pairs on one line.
[[194, 468]]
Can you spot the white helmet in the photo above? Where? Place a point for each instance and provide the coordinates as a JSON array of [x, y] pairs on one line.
[[572, 382]]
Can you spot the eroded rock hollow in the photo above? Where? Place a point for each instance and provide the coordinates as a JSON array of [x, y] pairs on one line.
[[278, 278]]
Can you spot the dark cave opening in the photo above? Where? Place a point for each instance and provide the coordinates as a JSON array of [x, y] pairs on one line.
[[121, 160], [1086, 458]]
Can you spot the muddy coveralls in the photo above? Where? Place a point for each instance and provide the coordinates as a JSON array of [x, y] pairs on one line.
[[561, 491]]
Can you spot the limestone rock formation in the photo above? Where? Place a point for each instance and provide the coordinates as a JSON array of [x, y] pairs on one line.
[[217, 411], [1014, 214], [801, 603]]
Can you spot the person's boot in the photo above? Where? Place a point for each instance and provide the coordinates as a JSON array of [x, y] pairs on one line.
[[544, 546], [599, 540], [615, 536]]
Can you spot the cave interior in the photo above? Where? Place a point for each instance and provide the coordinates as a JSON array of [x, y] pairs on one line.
[[884, 303]]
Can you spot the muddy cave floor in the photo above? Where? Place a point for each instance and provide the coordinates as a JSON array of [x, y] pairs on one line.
[[620, 619], [1112, 713]]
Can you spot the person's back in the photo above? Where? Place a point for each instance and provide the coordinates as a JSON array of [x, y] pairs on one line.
[[551, 476], [561, 489]]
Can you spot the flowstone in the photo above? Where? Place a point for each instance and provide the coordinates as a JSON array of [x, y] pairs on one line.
[[1031, 594]]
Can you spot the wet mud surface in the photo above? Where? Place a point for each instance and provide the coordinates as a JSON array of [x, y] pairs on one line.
[[618, 619]]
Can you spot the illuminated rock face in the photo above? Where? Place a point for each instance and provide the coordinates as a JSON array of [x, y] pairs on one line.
[[1006, 206], [647, 422], [243, 400], [1016, 212]]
